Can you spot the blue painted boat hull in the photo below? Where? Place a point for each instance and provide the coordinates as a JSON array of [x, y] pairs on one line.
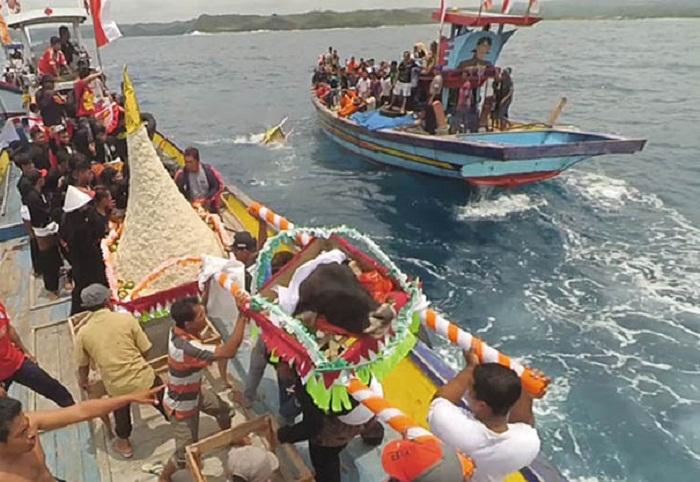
[[504, 159]]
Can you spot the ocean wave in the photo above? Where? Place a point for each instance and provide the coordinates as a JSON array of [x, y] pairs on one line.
[[499, 208], [625, 283]]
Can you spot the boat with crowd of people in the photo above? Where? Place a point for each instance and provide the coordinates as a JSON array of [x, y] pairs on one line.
[[82, 452], [459, 126], [163, 249]]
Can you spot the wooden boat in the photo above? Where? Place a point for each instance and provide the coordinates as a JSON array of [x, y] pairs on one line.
[[521, 154], [82, 452], [17, 90]]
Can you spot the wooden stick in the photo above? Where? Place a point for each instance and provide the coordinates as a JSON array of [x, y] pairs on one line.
[[556, 113]]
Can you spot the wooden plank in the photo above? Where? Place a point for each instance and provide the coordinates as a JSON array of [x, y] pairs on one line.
[[265, 427]]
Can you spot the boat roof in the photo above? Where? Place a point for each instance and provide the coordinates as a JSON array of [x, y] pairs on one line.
[[465, 18], [46, 16]]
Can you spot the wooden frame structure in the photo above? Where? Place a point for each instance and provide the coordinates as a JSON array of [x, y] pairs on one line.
[[292, 466]]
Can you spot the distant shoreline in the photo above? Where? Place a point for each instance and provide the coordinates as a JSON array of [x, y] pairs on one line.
[[325, 20]]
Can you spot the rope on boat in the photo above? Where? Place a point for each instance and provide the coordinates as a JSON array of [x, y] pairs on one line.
[[398, 420], [533, 384]]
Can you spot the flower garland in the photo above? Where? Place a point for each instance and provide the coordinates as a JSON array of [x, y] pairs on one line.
[[326, 381]]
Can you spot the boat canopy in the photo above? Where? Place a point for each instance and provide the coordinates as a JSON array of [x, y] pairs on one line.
[[476, 19], [46, 16]]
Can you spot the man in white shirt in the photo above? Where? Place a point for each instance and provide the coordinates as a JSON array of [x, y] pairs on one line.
[[497, 431], [363, 85]]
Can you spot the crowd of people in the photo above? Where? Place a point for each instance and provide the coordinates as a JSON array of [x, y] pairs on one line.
[[74, 182], [415, 83]]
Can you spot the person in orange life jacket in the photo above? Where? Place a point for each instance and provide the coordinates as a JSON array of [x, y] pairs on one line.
[[200, 183], [17, 364], [53, 62], [188, 357]]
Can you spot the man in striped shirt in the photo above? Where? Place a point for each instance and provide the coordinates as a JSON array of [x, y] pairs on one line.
[[187, 358]]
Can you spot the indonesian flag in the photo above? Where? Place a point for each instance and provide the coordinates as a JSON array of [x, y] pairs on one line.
[[487, 4], [505, 7], [106, 29]]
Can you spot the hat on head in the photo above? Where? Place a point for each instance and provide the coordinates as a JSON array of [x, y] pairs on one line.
[[251, 463], [75, 199], [95, 295], [421, 461], [244, 240]]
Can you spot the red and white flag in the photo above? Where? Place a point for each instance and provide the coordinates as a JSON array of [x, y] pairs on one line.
[[486, 4], [106, 29], [505, 7]]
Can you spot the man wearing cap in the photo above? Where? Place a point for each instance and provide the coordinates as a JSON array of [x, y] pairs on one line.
[[82, 230], [200, 183], [245, 250], [116, 345], [497, 431], [17, 364], [251, 464], [425, 460]]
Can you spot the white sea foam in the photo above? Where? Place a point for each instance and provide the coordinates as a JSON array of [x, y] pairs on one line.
[[641, 283], [499, 208]]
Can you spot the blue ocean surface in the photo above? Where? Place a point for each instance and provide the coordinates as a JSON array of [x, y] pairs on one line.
[[593, 277]]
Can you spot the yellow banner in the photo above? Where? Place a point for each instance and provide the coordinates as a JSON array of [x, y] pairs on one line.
[[132, 112]]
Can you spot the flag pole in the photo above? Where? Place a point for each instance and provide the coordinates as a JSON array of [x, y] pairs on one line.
[[87, 5]]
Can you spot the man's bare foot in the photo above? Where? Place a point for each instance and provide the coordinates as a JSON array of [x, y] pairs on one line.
[[123, 447], [53, 295]]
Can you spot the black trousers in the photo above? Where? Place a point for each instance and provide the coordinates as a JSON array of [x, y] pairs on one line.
[[35, 378], [326, 462], [122, 417], [50, 264], [34, 252]]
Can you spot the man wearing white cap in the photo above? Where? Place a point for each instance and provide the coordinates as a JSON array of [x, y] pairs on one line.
[[83, 232], [251, 464]]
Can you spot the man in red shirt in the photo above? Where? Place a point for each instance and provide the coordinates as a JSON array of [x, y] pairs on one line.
[[53, 62], [18, 365], [84, 94]]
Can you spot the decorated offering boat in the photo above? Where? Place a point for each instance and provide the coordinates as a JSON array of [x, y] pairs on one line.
[[336, 359], [515, 154]]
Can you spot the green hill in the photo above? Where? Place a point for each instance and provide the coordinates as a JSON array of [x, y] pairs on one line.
[[561, 9]]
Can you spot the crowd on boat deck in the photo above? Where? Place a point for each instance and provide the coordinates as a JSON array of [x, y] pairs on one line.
[[74, 182], [415, 83]]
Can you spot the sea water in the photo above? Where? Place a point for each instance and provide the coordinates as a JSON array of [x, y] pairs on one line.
[[593, 277]]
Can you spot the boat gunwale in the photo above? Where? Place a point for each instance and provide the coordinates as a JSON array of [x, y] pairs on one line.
[[611, 143]]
